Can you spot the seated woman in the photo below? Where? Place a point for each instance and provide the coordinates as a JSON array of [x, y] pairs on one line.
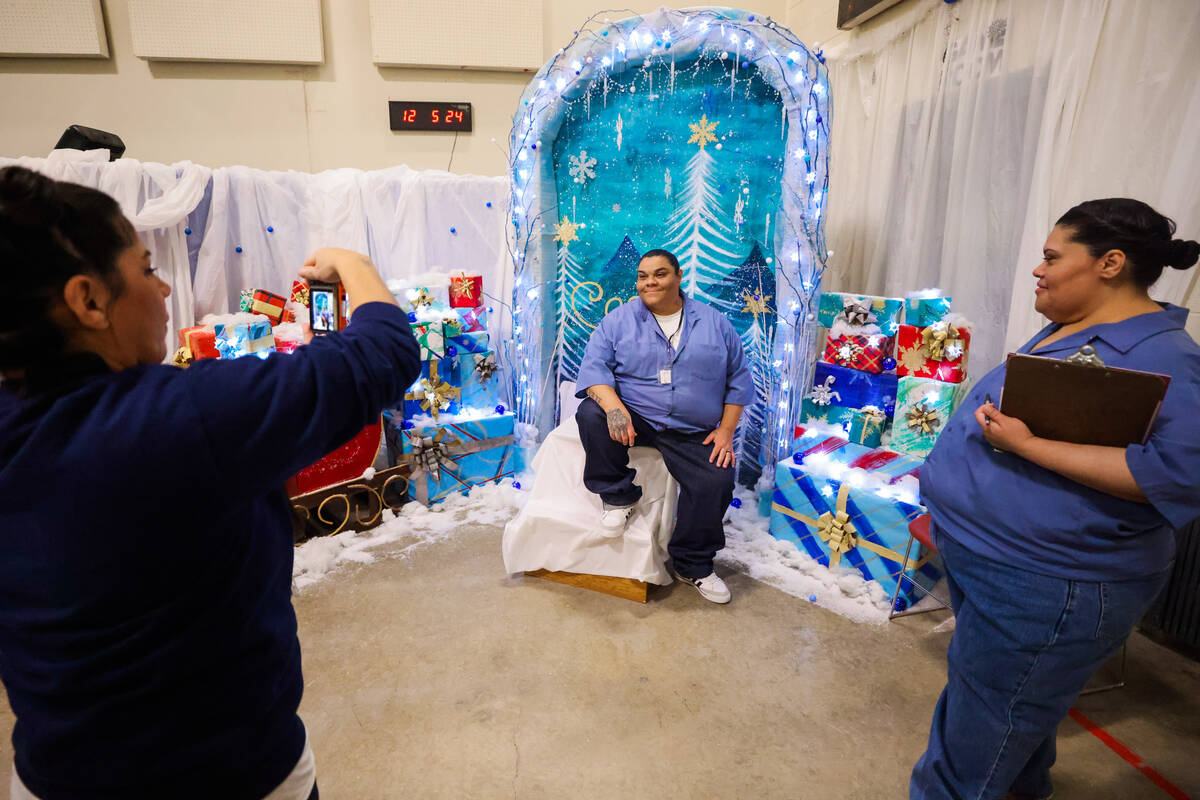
[[1053, 550], [147, 637]]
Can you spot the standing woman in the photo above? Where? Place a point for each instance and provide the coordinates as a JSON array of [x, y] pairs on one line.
[[1053, 550], [147, 638]]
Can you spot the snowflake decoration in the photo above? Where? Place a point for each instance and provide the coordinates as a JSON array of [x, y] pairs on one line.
[[702, 131], [582, 167], [739, 219], [565, 231], [755, 303], [616, 208], [824, 395]]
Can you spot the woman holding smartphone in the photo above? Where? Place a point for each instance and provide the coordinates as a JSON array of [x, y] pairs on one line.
[[147, 637]]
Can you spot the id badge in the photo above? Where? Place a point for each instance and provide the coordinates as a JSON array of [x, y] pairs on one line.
[[664, 376]]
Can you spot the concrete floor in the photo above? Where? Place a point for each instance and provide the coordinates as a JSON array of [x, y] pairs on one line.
[[438, 676]]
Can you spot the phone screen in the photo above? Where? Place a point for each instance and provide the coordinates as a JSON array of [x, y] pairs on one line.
[[324, 310]]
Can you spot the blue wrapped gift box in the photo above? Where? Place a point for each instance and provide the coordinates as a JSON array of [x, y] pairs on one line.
[[839, 391], [477, 376], [468, 342], [840, 525], [434, 392], [452, 456]]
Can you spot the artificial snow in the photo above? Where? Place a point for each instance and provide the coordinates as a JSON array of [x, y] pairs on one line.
[[414, 525], [749, 549]]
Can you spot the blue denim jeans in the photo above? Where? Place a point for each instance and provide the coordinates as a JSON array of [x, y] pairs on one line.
[[1024, 645]]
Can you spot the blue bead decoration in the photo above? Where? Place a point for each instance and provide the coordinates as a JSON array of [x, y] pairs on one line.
[[604, 33], [889, 363], [489, 309], [270, 229], [454, 230], [451, 351], [412, 317], [187, 231], [533, 146], [750, 18], [500, 409], [237, 249], [745, 64], [812, 598], [901, 604], [798, 458], [489, 204], [408, 424], [516, 484], [736, 502]]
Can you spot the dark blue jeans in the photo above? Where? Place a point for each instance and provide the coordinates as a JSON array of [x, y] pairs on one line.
[[704, 489], [1024, 645]]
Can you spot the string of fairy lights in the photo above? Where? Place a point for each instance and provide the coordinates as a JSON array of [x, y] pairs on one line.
[[601, 49]]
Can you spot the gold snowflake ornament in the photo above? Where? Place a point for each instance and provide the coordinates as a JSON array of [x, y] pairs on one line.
[[755, 303], [565, 231], [702, 131]]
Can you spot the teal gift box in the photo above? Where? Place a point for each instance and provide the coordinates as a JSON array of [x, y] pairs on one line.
[[921, 312], [475, 342], [431, 339], [923, 407], [850, 308], [452, 456], [862, 527], [477, 376], [866, 426], [830, 413]]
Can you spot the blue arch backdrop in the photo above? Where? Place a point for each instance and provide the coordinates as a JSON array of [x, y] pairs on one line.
[[705, 131]]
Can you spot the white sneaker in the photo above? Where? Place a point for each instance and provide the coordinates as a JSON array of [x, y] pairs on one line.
[[612, 521], [711, 587]]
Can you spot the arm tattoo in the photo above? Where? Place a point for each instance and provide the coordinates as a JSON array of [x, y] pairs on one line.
[[618, 422], [592, 393], [366, 262]]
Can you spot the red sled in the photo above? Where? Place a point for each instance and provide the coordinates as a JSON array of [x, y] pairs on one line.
[[346, 463]]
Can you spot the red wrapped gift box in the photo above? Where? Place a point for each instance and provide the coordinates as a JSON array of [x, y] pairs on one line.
[[863, 352], [267, 304], [300, 293], [466, 291], [936, 351], [201, 340]]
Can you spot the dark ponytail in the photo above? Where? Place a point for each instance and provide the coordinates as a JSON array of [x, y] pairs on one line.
[[50, 231], [1134, 228]]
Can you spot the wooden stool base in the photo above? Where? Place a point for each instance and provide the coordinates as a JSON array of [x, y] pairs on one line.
[[626, 588]]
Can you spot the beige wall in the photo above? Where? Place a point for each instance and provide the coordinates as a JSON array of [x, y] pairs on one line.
[[307, 118]]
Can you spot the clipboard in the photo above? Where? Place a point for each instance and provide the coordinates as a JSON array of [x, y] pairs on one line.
[[1082, 401]]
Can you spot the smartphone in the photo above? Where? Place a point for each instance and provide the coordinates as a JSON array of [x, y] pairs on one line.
[[325, 307]]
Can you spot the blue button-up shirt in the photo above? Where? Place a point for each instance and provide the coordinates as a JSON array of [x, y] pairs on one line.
[[708, 370], [1011, 510]]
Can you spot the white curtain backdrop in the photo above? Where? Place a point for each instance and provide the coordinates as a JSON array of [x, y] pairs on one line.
[[194, 220], [962, 131]]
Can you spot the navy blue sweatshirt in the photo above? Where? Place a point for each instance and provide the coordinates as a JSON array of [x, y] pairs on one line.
[[147, 638]]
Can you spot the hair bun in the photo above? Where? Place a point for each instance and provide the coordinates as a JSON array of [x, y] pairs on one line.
[[1182, 253], [29, 198]]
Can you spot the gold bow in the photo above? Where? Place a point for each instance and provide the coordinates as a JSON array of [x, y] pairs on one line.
[[837, 530], [182, 357], [936, 338], [923, 418], [873, 419], [300, 294], [462, 286], [433, 392], [423, 298]]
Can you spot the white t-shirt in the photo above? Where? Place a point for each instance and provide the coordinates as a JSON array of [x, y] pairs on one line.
[[672, 326]]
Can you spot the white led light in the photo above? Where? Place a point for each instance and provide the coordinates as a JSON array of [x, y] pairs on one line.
[[560, 84], [810, 178]]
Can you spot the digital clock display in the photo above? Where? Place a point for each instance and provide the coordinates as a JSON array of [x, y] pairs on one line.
[[425, 116]]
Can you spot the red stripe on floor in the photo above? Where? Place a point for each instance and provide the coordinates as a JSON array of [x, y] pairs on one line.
[[1133, 758]]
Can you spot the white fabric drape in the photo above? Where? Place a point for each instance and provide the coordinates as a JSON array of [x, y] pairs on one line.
[[409, 222], [961, 132], [155, 197]]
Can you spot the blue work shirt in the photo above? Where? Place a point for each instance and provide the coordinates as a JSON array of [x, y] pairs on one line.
[[147, 637], [709, 370], [1008, 509]]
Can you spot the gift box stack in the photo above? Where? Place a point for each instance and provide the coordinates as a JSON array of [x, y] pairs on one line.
[[889, 364], [451, 425], [265, 323], [849, 505]]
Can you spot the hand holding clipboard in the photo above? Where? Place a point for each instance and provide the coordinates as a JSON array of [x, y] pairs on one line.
[[1082, 401]]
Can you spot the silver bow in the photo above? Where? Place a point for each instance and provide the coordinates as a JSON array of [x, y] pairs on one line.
[[430, 454], [856, 312], [486, 367]]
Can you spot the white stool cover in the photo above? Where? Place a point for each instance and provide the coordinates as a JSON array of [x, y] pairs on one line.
[[559, 527]]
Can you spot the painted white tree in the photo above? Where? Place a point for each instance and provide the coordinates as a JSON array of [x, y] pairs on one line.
[[758, 341], [570, 275], [695, 232]]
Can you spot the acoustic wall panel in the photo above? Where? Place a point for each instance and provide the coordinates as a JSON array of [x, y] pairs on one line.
[[471, 34], [52, 28], [275, 31]]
